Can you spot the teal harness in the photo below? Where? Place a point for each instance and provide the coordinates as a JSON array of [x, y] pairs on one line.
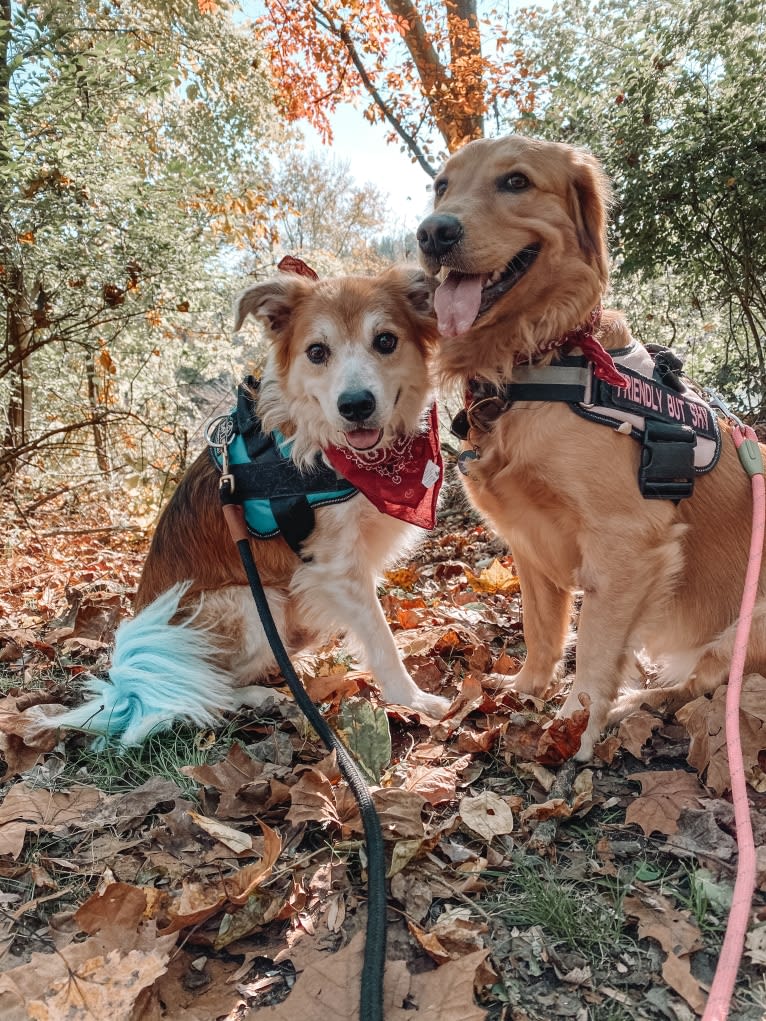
[[277, 497]]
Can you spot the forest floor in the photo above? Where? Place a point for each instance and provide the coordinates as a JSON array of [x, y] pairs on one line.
[[220, 874]]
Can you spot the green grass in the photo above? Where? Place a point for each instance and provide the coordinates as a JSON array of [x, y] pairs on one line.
[[116, 769], [580, 916]]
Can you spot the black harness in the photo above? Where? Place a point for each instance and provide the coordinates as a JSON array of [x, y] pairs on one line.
[[278, 498], [672, 422]]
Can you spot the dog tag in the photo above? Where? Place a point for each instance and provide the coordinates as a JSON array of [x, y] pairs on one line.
[[464, 460], [431, 474]]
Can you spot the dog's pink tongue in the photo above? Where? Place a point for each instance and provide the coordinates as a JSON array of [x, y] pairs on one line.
[[363, 439], [457, 302]]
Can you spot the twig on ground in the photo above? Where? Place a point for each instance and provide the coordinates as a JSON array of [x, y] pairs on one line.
[[545, 834], [93, 531]]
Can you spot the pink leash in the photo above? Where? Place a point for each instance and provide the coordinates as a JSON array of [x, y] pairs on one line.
[[721, 991]]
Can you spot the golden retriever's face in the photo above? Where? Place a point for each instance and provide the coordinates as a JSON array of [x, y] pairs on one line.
[[520, 227], [349, 357]]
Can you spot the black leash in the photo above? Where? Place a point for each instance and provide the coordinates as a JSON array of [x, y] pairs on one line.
[[371, 992]]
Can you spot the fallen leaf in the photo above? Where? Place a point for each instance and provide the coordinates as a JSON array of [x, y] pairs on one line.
[[364, 730], [312, 799], [487, 814], [636, 729], [103, 987], [436, 784], [678, 936], [664, 795], [236, 840], [329, 988], [704, 719], [198, 901], [30, 809], [494, 578], [561, 739]]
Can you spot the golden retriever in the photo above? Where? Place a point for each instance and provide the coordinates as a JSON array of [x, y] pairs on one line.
[[346, 380], [518, 232]]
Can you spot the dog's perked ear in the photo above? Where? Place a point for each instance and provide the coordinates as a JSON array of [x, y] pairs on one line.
[[589, 197], [273, 302]]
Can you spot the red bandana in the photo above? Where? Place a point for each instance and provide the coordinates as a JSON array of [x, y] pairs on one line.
[[583, 336], [402, 480]]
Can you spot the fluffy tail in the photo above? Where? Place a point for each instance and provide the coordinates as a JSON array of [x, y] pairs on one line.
[[160, 672]]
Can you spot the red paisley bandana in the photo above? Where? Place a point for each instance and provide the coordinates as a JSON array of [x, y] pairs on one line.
[[402, 480]]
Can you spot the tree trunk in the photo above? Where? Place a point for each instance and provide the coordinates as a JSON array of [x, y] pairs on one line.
[[455, 93], [18, 321], [100, 436]]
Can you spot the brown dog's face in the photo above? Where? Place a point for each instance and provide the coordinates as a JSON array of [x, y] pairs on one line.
[[349, 361], [520, 227]]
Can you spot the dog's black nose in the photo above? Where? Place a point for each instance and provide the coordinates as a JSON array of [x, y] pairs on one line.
[[356, 405], [438, 233]]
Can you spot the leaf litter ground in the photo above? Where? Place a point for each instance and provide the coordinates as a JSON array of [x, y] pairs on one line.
[[222, 874]]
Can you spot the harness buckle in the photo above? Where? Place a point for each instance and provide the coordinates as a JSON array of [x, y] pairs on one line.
[[666, 471], [715, 400]]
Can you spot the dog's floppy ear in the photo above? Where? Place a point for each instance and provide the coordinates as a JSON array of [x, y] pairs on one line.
[[273, 302], [419, 287], [589, 199]]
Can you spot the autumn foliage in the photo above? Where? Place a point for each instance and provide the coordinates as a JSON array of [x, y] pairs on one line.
[[422, 69]]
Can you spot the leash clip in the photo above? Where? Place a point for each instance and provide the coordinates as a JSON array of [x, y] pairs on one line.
[[715, 400], [218, 435]]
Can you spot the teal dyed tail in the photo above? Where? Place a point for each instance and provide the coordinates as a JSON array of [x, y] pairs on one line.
[[160, 673]]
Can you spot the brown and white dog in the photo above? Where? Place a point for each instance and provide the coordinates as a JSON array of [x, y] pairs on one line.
[[346, 379], [519, 233]]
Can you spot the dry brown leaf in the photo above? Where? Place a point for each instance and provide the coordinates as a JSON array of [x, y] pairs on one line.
[[199, 901], [230, 774], [29, 809], [457, 934], [560, 808], [664, 795], [236, 840], [413, 892], [561, 738], [103, 987], [635, 730], [332, 687], [329, 987], [313, 799], [704, 719], [494, 578], [436, 784], [119, 907], [21, 743], [678, 936], [487, 814], [99, 969], [402, 577]]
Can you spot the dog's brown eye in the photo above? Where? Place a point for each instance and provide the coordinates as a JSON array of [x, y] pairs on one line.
[[385, 343], [318, 353], [440, 187], [514, 182]]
